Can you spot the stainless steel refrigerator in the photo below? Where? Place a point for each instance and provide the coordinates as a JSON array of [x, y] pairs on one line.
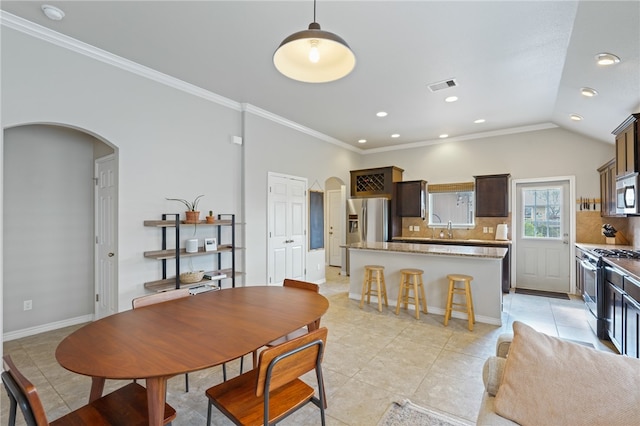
[[367, 220]]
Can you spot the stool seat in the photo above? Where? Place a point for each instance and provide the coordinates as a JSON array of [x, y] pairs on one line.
[[411, 280], [374, 274], [467, 305]]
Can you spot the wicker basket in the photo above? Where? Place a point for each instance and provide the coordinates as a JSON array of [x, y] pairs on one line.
[[191, 277]]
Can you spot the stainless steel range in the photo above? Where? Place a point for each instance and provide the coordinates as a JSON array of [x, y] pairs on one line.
[[592, 277]]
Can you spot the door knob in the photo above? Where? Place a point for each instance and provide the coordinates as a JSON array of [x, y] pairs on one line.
[[110, 255]]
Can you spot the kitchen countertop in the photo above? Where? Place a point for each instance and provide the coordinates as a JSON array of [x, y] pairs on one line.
[[454, 241], [433, 249], [629, 266]]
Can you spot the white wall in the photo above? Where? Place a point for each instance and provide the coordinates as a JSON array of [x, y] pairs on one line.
[[553, 152], [271, 147], [171, 144]]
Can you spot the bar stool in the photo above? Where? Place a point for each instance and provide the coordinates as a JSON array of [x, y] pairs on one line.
[[467, 306], [374, 274], [411, 280]]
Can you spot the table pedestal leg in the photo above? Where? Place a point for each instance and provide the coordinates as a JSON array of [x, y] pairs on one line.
[[97, 387], [156, 395]]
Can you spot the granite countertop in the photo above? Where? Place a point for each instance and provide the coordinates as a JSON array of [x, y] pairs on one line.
[[433, 249], [458, 241]]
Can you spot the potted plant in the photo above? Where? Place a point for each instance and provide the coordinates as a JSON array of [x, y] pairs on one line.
[[210, 218], [192, 213]]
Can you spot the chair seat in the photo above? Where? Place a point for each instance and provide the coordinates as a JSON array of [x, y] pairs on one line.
[[125, 406], [237, 399]]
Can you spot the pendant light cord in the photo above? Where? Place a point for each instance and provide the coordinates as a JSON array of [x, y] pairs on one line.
[[314, 10]]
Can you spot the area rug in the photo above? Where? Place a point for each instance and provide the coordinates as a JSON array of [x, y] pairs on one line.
[[551, 294], [408, 413]]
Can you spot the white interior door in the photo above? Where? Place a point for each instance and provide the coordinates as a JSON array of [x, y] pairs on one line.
[[334, 222], [543, 235], [106, 300], [287, 201]]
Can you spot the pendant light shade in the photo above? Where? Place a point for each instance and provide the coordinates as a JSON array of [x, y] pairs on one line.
[[314, 55]]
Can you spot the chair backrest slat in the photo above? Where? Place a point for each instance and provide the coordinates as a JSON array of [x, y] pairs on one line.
[[28, 391], [165, 296], [301, 284], [293, 366]]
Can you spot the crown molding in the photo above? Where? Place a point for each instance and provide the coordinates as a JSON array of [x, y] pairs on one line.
[[483, 135], [300, 128], [38, 31]]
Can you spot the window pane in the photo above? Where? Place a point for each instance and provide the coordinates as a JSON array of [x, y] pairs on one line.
[[456, 207], [542, 212]]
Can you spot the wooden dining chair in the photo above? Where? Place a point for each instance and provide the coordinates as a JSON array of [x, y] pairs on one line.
[[272, 391], [127, 405], [304, 285], [164, 296]]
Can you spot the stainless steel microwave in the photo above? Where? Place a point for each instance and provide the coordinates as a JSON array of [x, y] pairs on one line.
[[627, 195]]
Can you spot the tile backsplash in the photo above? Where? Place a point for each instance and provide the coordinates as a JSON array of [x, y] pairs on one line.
[[409, 224]]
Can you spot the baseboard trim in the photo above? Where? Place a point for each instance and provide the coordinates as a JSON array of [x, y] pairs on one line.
[[25, 332]]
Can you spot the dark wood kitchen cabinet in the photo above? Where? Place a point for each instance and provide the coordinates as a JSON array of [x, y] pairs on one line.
[[492, 195], [627, 152], [614, 320], [411, 198], [608, 189], [631, 313], [376, 182]]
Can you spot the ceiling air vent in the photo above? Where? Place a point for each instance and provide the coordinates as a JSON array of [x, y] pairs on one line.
[[443, 85]]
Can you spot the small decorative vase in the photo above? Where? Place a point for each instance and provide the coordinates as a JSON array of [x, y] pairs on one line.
[[192, 216], [210, 219]]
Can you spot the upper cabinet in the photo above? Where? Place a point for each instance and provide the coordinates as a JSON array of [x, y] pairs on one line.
[[411, 198], [608, 189], [492, 195], [627, 152], [376, 182]]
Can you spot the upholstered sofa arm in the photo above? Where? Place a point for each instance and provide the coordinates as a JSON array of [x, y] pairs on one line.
[[503, 344], [492, 374]]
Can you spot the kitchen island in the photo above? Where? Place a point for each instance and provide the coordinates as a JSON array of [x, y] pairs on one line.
[[436, 260]]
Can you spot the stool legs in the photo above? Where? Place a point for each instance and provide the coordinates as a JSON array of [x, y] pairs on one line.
[[381, 287], [466, 307], [411, 280]]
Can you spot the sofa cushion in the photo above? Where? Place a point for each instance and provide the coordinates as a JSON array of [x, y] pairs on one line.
[[552, 381]]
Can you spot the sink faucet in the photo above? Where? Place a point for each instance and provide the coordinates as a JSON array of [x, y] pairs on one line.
[[449, 230]]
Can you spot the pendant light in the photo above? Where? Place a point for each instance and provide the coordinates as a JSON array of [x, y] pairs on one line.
[[314, 55]]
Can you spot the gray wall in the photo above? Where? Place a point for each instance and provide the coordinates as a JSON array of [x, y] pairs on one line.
[[48, 225]]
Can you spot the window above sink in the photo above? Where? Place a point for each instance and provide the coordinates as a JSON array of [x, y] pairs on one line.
[[451, 202]]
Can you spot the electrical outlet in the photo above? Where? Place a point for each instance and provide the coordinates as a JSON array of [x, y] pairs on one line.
[[491, 229], [485, 229], [27, 305], [416, 228]]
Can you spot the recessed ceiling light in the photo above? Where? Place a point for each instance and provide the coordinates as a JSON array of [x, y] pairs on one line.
[[607, 59], [395, 135], [479, 120], [52, 12], [444, 136], [588, 92], [451, 99], [381, 114], [362, 141], [575, 117]]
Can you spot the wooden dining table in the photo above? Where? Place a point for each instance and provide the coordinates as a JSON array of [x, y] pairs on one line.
[[160, 341]]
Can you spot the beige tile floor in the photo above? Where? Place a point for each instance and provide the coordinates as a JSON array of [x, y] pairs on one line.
[[371, 360]]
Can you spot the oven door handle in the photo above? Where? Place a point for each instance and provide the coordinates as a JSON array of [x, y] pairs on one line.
[[588, 265]]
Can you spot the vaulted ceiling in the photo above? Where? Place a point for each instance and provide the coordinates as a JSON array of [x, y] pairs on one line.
[[517, 64]]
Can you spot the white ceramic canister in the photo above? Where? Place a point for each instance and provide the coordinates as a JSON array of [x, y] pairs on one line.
[[501, 231], [192, 245]]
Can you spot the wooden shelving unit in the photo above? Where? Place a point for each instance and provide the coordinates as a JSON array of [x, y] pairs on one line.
[[172, 223]]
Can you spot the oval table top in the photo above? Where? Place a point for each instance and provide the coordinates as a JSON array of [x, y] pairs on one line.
[[188, 334]]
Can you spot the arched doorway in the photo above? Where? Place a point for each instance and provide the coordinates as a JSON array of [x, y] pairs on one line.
[[49, 227]]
